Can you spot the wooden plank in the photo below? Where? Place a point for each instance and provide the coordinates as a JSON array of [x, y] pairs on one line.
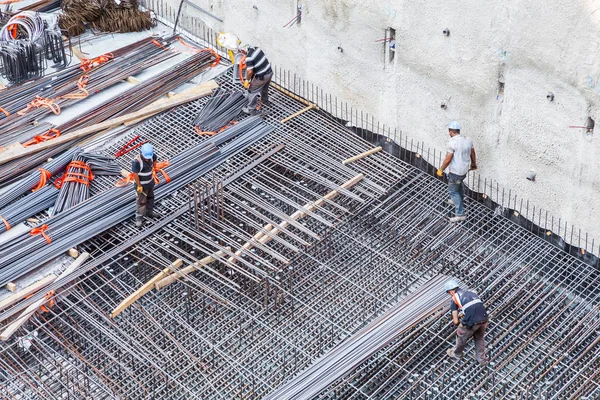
[[13, 154], [78, 53], [73, 252], [202, 90], [189, 269], [309, 207], [294, 96], [294, 115], [11, 287], [29, 311], [21, 294], [146, 287], [362, 155], [133, 80]]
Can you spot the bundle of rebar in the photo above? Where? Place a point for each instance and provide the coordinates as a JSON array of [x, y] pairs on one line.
[[352, 352], [27, 206], [65, 230], [223, 108], [39, 178], [26, 42], [75, 183]]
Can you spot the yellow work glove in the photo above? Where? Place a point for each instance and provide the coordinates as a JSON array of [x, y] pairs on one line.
[[246, 84], [140, 189], [440, 173]]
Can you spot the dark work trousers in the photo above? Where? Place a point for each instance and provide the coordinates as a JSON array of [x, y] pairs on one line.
[[463, 334], [259, 87], [145, 203]]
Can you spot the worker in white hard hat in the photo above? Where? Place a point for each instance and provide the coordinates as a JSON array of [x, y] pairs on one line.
[[258, 78], [460, 158], [470, 316], [142, 167]]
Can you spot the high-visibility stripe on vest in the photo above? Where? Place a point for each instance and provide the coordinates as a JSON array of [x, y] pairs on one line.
[[145, 176]]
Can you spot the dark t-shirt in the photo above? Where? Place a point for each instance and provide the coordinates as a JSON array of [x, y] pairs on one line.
[[475, 313]]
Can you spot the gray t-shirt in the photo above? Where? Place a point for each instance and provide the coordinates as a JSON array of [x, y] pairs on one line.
[[461, 148]]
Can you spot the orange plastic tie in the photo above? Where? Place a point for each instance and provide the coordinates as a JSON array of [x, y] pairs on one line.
[[199, 132], [197, 50], [5, 222], [52, 134], [5, 112], [48, 296], [159, 44], [89, 63], [41, 230], [72, 176], [125, 181], [41, 102], [160, 168], [44, 176]]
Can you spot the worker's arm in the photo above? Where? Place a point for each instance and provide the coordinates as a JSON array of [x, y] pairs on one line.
[[473, 158], [249, 74], [455, 320], [446, 162]]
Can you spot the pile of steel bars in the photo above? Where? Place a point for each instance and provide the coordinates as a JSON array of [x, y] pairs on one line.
[[38, 178], [75, 182], [27, 206], [223, 108], [359, 347], [63, 231]]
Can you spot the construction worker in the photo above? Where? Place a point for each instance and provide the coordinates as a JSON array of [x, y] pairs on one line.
[[470, 315], [460, 157], [142, 167], [258, 78]]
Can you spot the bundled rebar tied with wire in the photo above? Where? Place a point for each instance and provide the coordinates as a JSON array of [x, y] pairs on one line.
[[84, 221], [27, 206], [27, 40], [223, 108], [39, 178], [75, 183], [349, 354]]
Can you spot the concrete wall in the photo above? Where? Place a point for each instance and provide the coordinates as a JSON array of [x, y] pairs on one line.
[[533, 47]]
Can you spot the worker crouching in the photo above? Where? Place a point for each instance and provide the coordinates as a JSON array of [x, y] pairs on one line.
[[470, 315], [258, 79], [142, 167]]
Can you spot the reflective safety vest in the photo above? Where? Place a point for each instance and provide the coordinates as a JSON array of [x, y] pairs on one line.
[[145, 173], [465, 299]]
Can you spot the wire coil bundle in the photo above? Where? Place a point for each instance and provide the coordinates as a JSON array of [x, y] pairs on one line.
[[26, 42]]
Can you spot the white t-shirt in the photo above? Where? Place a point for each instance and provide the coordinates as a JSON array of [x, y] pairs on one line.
[[461, 148]]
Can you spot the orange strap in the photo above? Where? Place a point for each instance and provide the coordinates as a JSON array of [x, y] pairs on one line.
[[157, 43], [41, 230], [72, 176], [197, 50], [44, 176], [242, 67], [199, 132], [41, 102], [125, 181], [50, 296], [5, 112], [89, 63], [5, 222], [456, 300], [52, 134], [160, 168], [82, 93]]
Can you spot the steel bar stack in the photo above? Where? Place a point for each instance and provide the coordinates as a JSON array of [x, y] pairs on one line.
[[27, 206], [223, 108]]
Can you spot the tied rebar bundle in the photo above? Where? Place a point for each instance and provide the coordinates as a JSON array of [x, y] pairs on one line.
[[38, 178], [105, 16], [25, 252], [27, 40], [27, 206], [75, 183], [222, 109]]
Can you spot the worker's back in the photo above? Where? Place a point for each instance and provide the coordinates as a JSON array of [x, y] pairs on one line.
[[461, 148], [472, 307]]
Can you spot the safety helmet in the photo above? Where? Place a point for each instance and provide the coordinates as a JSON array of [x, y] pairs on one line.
[[450, 285], [455, 126], [147, 151]]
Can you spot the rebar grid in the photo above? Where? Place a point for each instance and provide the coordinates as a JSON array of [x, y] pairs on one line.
[[239, 331]]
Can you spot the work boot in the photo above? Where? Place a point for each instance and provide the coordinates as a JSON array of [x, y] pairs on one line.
[[153, 215], [266, 103], [139, 221], [458, 218], [449, 201], [450, 353], [247, 110]]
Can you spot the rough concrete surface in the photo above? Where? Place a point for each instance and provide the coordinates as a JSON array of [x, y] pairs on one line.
[[533, 47]]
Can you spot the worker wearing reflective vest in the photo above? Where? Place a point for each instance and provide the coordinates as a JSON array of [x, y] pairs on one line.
[[470, 315], [142, 167]]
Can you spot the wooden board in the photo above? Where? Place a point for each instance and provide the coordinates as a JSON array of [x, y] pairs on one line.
[[362, 155], [21, 294], [146, 287], [11, 287], [12, 154], [188, 270]]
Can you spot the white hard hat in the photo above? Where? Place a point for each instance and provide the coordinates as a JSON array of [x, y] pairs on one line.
[[454, 126], [450, 285]]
